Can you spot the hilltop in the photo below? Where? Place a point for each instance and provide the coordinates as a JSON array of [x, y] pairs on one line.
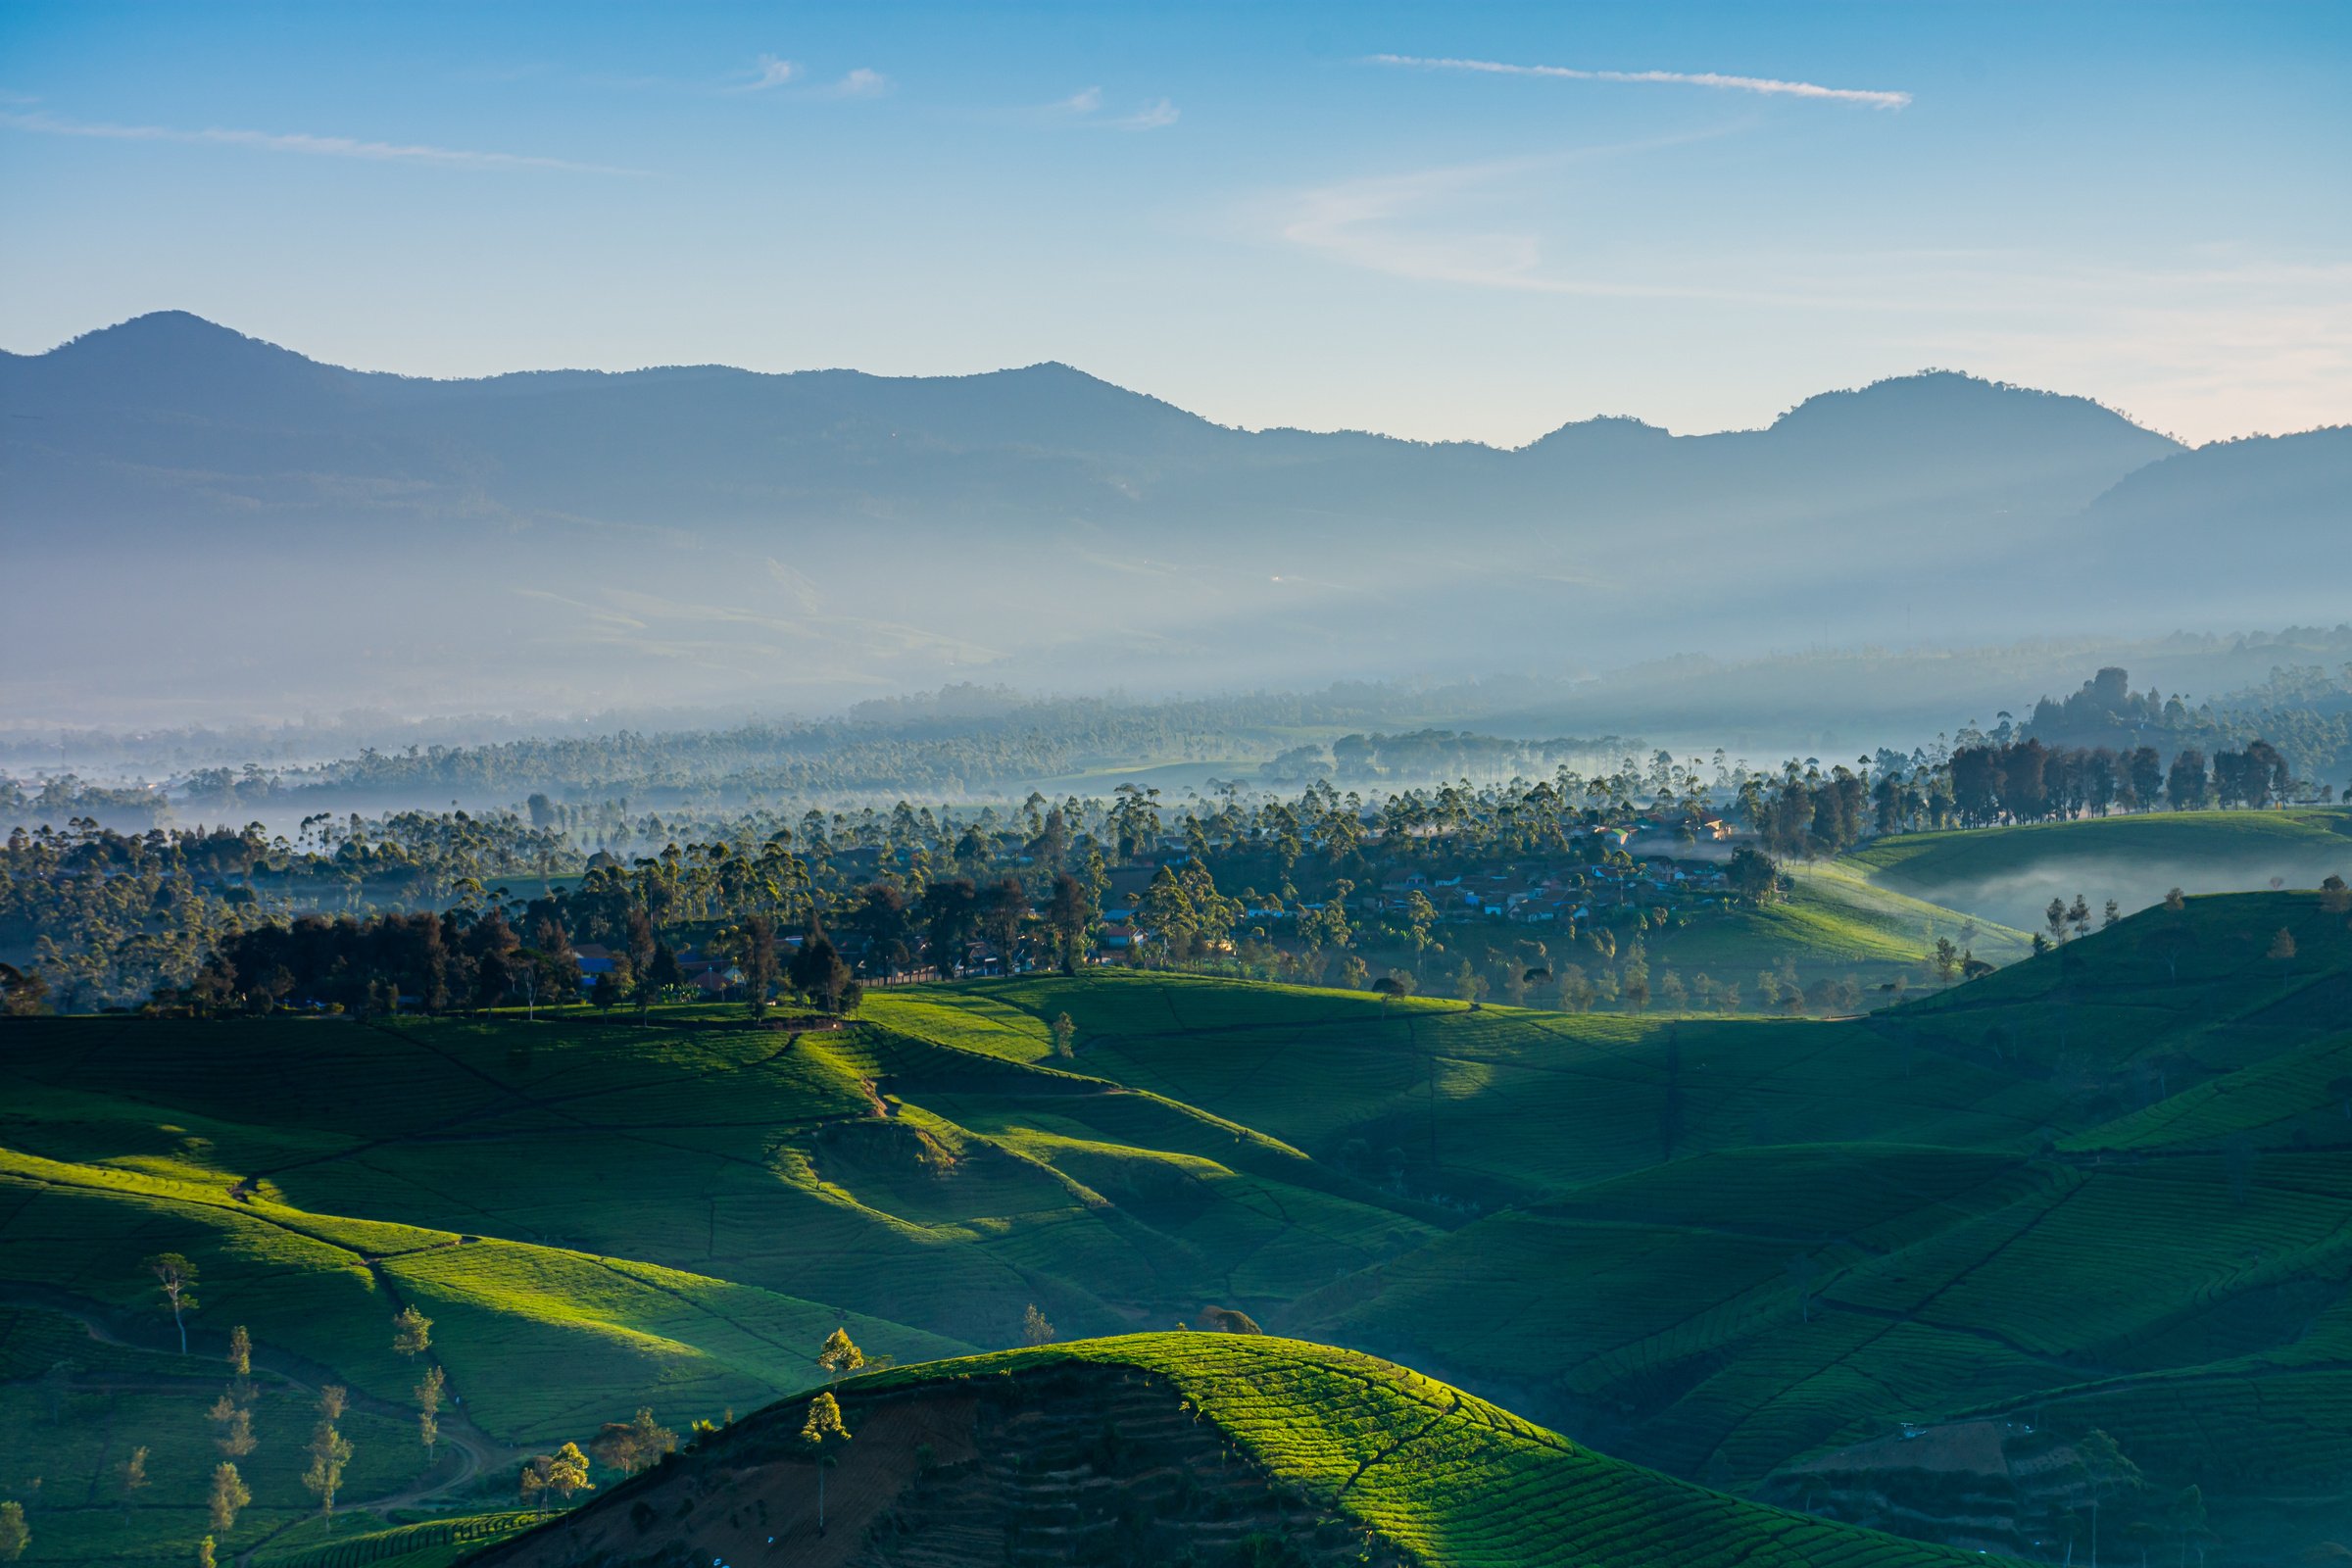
[[1180, 1449], [2008, 874]]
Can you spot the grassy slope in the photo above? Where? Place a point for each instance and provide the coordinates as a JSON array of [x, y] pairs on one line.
[[1456, 1481], [1834, 922], [2009, 873], [1716, 1243]]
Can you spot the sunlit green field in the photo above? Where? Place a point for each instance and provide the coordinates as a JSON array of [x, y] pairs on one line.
[[2106, 1184]]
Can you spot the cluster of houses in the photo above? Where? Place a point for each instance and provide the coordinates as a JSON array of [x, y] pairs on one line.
[[1546, 896]]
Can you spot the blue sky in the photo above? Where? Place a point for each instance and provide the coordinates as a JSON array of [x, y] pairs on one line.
[[1269, 213]]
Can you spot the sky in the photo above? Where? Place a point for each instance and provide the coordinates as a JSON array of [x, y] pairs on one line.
[[1440, 222]]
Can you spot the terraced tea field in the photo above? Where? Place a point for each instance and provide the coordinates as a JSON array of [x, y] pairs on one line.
[[2102, 1189], [1161, 1448]]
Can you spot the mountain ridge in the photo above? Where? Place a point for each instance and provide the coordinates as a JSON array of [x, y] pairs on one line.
[[182, 330], [624, 537]]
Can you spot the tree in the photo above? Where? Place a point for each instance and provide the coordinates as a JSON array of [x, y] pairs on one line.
[[556, 967], [428, 1408], [2188, 1521], [2187, 785], [2334, 895], [229, 1494], [630, 1445], [1004, 909], [412, 1332], [817, 972], [661, 974], [1036, 1328], [175, 1278], [1752, 876], [23, 993], [1946, 960], [329, 1450], [558, 1475], [2176, 900], [135, 1475], [822, 1435], [236, 1427], [240, 1351], [14, 1537], [2282, 948], [205, 1557], [1065, 1036], [1070, 916], [757, 958], [840, 1357]]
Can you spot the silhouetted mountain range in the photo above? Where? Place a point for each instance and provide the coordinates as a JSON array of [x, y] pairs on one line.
[[590, 538]]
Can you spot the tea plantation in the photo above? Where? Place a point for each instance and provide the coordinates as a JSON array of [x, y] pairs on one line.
[[2088, 1215]]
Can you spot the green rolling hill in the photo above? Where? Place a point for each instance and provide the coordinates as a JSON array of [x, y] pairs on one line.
[[2099, 1191], [1181, 1449], [2009, 874]]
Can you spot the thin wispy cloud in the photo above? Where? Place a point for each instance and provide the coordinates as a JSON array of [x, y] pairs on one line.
[[1162, 112], [381, 152], [1773, 86], [1086, 105], [858, 84], [768, 72]]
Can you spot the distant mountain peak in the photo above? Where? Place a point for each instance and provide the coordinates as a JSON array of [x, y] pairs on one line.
[[1956, 394]]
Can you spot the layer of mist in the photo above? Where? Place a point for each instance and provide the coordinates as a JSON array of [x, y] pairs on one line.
[[283, 536]]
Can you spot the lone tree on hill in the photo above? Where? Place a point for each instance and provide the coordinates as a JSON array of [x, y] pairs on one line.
[[1066, 1035], [840, 1357], [229, 1494], [1036, 1329], [630, 1445], [2282, 948], [2334, 895], [240, 1351], [15, 1539], [412, 1332], [175, 1278], [1752, 876], [822, 1435], [329, 1450], [134, 1476], [428, 1408], [558, 1475]]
